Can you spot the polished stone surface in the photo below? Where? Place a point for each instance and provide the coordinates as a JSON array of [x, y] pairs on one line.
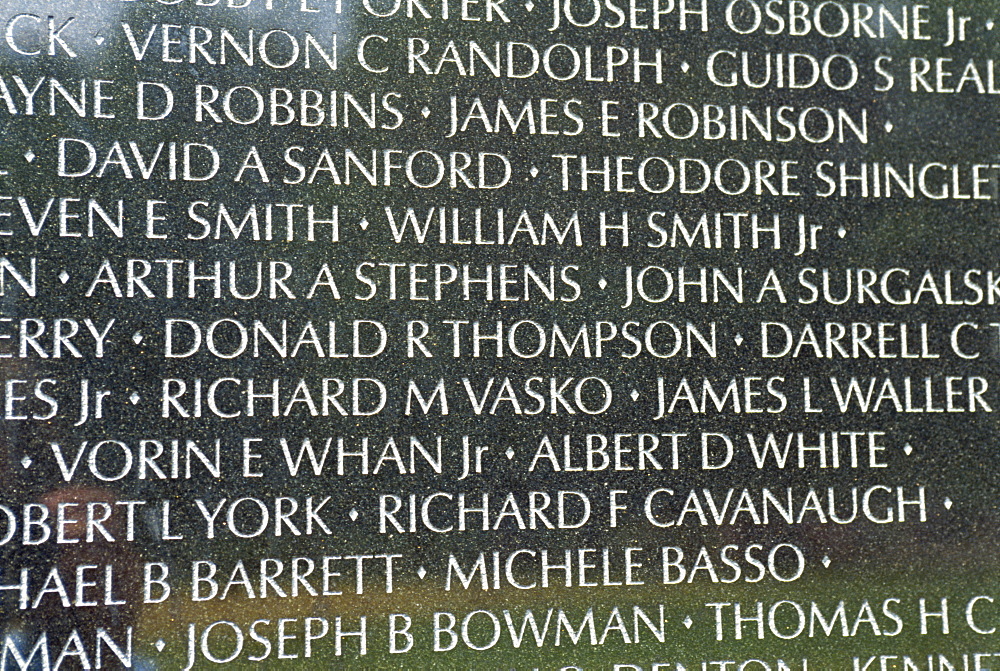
[[461, 334]]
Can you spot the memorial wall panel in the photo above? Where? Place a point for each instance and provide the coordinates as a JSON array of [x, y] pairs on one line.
[[624, 335]]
